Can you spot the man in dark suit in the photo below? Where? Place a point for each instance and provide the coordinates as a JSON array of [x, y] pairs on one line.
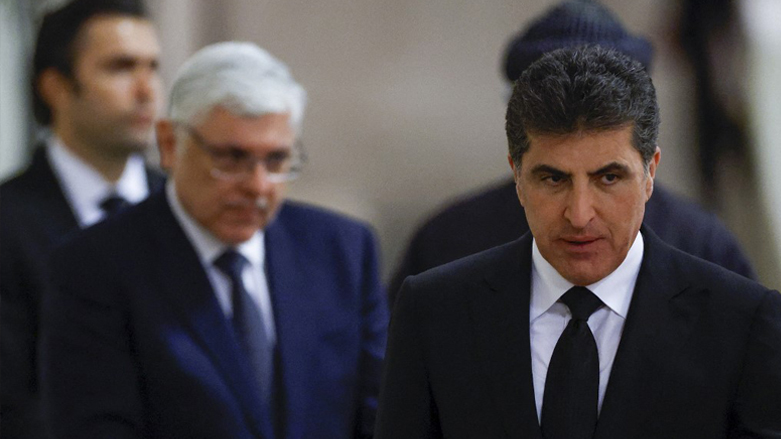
[[589, 326], [97, 88], [493, 217], [216, 308]]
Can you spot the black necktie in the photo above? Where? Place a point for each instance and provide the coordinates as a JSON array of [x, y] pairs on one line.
[[113, 204], [248, 323], [570, 401]]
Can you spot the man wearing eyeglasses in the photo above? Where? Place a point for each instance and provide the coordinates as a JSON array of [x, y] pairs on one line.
[[218, 309]]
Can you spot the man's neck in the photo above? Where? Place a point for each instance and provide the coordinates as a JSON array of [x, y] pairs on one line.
[[109, 165]]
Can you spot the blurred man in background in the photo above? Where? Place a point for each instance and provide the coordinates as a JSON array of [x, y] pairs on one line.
[[96, 87], [216, 309], [493, 217]]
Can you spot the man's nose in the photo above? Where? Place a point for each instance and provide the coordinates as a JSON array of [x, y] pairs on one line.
[[259, 181], [148, 85], [579, 210]]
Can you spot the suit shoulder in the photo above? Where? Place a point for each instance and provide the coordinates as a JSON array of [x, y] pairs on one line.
[[686, 225], [464, 210], [17, 185], [708, 275], [124, 230], [475, 267], [304, 215]]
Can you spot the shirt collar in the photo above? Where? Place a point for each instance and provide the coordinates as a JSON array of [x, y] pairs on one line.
[[615, 290], [205, 243], [85, 188]]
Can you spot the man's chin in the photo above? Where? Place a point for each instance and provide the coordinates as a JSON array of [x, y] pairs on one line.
[[135, 147], [583, 272], [237, 236]]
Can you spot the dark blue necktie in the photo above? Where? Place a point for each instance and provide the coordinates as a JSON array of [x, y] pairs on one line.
[[571, 398], [113, 204], [248, 323]]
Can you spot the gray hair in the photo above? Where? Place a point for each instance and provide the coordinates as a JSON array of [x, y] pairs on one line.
[[241, 77]]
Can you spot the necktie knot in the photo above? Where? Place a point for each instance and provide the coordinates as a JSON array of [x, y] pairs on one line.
[[231, 263], [581, 302], [113, 203]]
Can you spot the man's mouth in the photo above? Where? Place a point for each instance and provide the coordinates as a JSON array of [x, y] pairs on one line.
[[260, 204], [580, 241]]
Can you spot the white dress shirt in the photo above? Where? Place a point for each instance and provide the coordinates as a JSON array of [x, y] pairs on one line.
[[548, 317], [209, 248], [85, 188]]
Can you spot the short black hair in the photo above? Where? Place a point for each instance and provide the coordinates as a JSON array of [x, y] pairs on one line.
[[583, 89], [55, 46]]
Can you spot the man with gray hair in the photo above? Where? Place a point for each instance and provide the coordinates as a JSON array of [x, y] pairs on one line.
[[218, 309]]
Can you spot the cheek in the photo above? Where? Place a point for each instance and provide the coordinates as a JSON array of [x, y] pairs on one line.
[[542, 213], [279, 192], [521, 192], [112, 91]]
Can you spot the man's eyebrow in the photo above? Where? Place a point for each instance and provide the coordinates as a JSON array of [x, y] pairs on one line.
[[614, 167], [120, 61], [547, 169]]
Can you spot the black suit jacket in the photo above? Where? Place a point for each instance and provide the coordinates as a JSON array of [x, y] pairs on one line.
[[34, 217], [494, 217], [700, 354]]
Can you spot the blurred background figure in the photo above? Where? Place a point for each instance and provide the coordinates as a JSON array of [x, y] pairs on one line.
[[217, 309], [494, 217], [96, 87]]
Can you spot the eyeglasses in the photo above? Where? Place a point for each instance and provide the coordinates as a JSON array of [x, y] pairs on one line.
[[229, 162]]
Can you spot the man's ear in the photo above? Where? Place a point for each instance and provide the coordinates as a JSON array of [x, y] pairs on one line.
[[166, 143], [517, 179], [652, 165], [54, 88]]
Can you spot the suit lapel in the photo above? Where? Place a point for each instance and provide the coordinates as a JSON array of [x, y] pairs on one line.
[[187, 288], [295, 316], [155, 180], [663, 311], [500, 314], [59, 219]]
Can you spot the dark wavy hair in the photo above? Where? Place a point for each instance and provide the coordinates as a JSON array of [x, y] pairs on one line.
[[583, 89], [56, 44]]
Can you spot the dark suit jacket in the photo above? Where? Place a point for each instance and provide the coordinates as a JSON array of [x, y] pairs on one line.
[[34, 217], [700, 354], [136, 344], [495, 217]]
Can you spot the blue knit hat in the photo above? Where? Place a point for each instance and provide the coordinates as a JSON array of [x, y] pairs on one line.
[[572, 23]]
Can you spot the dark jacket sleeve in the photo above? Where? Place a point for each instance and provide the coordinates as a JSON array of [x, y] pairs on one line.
[[90, 382], [757, 407], [374, 335], [19, 307], [407, 409]]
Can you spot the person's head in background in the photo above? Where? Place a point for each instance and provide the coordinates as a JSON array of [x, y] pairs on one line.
[[229, 140], [95, 80], [571, 23]]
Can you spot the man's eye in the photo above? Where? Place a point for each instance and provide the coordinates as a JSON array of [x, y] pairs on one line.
[[553, 179], [610, 178], [230, 156]]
